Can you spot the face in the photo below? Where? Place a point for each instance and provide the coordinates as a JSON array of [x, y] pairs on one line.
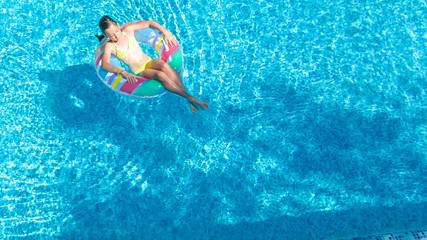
[[113, 32]]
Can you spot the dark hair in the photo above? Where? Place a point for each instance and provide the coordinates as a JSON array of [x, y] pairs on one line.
[[104, 23], [100, 37]]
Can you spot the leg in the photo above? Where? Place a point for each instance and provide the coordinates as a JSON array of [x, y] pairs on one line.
[[174, 87], [160, 65]]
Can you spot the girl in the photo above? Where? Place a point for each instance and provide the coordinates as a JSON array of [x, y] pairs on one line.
[[124, 46]]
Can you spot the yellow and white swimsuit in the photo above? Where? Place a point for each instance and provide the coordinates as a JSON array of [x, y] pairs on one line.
[[144, 67], [121, 53]]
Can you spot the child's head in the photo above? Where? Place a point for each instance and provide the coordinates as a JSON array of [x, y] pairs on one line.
[[106, 22], [110, 28]]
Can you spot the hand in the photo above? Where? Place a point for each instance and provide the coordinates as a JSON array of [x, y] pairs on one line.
[[170, 39], [130, 78]]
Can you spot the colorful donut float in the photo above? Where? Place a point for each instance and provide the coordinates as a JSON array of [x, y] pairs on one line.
[[144, 87]]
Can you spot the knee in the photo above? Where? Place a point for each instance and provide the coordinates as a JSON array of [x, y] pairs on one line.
[[165, 67], [161, 76]]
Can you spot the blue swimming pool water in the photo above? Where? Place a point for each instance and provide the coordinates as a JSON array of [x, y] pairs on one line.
[[316, 130]]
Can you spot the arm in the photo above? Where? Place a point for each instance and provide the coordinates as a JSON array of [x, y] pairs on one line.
[[106, 59], [108, 50], [169, 38]]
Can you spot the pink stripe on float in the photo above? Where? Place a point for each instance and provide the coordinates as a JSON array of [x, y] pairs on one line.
[[166, 54], [99, 59], [172, 55], [128, 88]]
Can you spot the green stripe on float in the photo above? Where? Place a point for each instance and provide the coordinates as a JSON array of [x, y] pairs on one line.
[[150, 88], [176, 62]]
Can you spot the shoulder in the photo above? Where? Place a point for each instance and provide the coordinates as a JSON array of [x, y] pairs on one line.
[[128, 30], [108, 44], [109, 47]]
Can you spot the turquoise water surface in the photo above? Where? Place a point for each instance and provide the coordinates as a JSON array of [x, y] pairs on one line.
[[316, 130]]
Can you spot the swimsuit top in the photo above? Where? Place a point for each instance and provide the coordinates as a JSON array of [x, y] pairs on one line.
[[121, 53]]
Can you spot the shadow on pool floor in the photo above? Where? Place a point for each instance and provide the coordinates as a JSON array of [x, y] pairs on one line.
[[123, 218], [130, 215]]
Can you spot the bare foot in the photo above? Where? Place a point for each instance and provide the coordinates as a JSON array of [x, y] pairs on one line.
[[202, 105], [193, 107]]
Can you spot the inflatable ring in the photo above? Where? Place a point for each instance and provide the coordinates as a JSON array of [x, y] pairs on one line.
[[144, 87]]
